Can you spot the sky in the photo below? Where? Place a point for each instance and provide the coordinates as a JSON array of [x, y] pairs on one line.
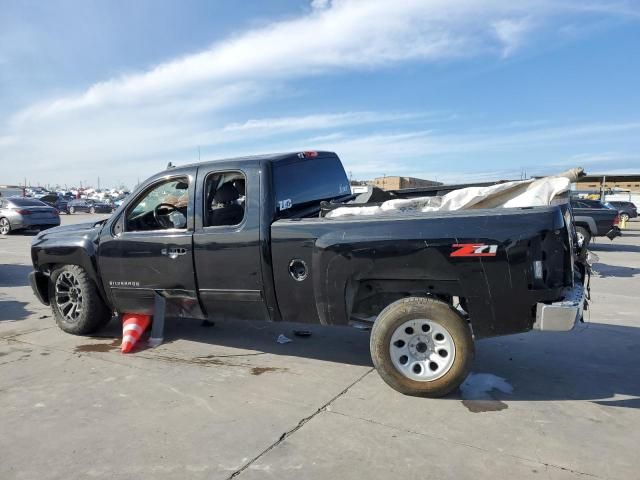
[[449, 90]]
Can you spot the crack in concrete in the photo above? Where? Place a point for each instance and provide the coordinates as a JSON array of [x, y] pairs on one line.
[[299, 425], [455, 442]]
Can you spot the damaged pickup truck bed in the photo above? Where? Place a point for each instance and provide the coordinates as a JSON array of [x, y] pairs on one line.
[[248, 238]]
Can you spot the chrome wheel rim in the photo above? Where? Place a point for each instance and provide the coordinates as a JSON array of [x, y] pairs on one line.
[[580, 238], [4, 226], [69, 298], [422, 350]]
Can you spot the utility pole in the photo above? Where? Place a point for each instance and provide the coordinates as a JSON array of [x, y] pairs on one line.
[[98, 183]]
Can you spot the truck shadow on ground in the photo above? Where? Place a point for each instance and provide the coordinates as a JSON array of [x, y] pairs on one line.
[[605, 270], [614, 247], [13, 310], [594, 362], [14, 275], [333, 344]]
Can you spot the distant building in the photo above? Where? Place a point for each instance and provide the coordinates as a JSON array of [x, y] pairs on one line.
[[629, 182], [398, 183]]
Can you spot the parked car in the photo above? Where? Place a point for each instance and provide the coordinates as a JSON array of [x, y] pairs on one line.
[[593, 218], [247, 238], [19, 213], [56, 201], [89, 205], [626, 210]]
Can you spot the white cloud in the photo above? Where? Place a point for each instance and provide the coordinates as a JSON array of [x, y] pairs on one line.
[[181, 103], [512, 32], [320, 4]]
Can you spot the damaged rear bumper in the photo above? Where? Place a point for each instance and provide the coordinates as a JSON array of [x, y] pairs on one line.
[[613, 233], [561, 316]]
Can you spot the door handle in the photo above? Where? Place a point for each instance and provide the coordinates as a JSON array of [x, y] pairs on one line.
[[173, 252]]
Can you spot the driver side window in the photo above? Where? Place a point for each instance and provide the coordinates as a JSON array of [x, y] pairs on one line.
[[163, 207]]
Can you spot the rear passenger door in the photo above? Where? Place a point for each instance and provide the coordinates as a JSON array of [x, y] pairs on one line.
[[226, 243]]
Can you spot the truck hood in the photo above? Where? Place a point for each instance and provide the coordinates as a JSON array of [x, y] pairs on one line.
[[73, 232]]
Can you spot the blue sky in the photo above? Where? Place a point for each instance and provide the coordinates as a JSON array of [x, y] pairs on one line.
[[454, 90]]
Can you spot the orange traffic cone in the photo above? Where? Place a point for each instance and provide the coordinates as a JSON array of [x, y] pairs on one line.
[[133, 326]]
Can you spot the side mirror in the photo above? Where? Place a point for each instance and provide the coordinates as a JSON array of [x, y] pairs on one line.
[[118, 227]]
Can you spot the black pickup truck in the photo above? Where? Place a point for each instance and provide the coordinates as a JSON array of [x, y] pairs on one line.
[[247, 238], [592, 218]]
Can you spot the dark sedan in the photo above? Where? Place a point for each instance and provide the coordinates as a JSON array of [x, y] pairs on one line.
[[88, 205], [56, 201], [626, 210]]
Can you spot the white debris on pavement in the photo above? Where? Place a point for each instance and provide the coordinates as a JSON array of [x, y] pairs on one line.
[[477, 386], [283, 339]]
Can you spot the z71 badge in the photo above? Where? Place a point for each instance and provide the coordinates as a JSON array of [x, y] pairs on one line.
[[474, 250]]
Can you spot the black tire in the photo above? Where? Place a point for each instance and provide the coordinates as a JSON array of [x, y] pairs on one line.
[[91, 312], [92, 210], [586, 235], [72, 210], [624, 217], [437, 312], [5, 226]]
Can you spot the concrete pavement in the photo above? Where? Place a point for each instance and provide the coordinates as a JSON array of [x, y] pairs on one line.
[[229, 402]]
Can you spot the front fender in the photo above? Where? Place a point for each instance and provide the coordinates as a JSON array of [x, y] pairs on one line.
[[64, 246]]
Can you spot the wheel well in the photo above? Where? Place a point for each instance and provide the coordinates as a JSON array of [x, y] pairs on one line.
[[367, 298]]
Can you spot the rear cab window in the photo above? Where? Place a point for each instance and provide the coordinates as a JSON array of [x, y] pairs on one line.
[[300, 182]]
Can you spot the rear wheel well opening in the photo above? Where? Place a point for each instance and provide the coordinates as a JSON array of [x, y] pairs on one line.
[[367, 298]]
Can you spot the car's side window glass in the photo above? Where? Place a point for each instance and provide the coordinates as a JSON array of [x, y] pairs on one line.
[[162, 207], [224, 198]]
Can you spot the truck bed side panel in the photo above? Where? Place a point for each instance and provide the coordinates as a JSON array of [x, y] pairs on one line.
[[413, 253]]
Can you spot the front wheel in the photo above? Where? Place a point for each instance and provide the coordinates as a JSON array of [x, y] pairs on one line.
[[92, 210], [76, 304], [421, 347], [624, 217], [72, 210], [5, 226]]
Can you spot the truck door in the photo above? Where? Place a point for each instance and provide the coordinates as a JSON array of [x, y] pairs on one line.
[[226, 243], [148, 247]]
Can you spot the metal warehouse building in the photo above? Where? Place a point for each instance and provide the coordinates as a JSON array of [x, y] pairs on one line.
[[630, 182]]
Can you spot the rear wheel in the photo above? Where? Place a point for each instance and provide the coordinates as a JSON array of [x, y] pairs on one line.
[[5, 226], [76, 305], [584, 237], [624, 217], [422, 347], [72, 210], [92, 210]]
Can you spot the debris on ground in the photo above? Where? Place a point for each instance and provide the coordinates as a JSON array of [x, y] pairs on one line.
[[283, 339], [302, 333]]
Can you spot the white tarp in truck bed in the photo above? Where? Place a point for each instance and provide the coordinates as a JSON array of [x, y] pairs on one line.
[[545, 191]]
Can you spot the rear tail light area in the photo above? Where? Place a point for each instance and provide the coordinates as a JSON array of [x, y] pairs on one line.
[[56, 212], [24, 212], [616, 221]]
